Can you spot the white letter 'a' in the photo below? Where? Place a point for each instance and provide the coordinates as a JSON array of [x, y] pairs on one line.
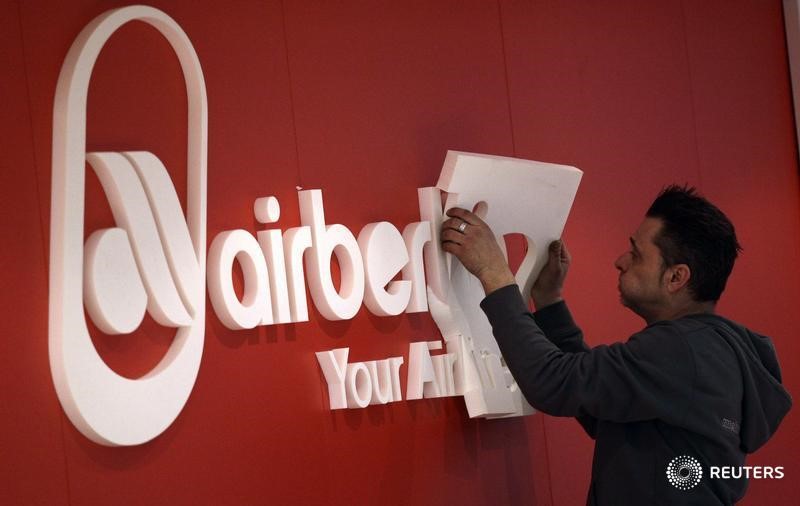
[[106, 407]]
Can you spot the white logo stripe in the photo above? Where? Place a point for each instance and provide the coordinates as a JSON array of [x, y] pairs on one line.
[[132, 212], [171, 226]]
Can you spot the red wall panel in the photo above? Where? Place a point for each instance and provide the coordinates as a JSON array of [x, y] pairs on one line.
[[32, 443], [402, 83], [362, 99], [32, 468], [748, 164], [605, 89]]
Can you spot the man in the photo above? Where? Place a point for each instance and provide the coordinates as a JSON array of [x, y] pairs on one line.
[[691, 383]]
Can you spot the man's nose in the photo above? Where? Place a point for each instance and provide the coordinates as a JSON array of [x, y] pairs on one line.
[[620, 263]]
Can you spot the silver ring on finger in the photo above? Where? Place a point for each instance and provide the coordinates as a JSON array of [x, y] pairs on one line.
[[463, 226]]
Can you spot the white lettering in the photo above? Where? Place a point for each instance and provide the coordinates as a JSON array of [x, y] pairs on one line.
[[416, 236], [384, 253], [395, 363], [381, 376], [297, 241], [359, 385], [443, 370], [329, 240], [430, 210], [334, 366], [255, 306], [155, 258], [268, 210], [747, 472], [271, 242], [421, 378]]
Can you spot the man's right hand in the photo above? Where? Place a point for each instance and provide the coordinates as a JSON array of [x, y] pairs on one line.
[[548, 286]]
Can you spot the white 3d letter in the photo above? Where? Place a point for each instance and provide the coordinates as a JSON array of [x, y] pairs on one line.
[[521, 196], [381, 374], [384, 253], [326, 241], [334, 368], [297, 241], [421, 375], [416, 236], [255, 307], [359, 385]]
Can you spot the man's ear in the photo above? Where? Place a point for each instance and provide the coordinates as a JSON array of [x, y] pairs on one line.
[[677, 277]]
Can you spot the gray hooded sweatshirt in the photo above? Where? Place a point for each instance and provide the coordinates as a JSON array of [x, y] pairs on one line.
[[700, 386]]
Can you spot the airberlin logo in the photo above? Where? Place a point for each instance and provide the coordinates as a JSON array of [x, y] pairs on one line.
[[154, 261]]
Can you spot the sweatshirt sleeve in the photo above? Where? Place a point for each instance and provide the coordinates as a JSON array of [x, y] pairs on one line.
[[650, 376], [560, 329]]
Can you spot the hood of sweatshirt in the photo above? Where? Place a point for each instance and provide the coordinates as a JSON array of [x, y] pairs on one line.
[[765, 400]]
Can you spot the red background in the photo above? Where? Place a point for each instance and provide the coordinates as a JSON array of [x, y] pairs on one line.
[[362, 99]]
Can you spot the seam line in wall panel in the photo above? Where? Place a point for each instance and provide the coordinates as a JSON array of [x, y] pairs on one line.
[[547, 458], [45, 249], [62, 421], [33, 143], [691, 95], [514, 151], [291, 93], [505, 73], [300, 183]]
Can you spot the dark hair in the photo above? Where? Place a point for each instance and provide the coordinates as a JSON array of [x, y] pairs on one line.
[[696, 233]]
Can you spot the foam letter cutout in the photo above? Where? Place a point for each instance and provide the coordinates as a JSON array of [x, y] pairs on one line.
[[326, 241], [271, 242], [359, 385], [416, 236], [430, 210], [334, 367], [443, 370], [255, 306], [526, 197], [384, 253], [267, 209], [297, 241], [381, 374], [395, 363], [421, 377]]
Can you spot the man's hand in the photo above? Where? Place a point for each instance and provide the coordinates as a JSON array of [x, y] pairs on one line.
[[471, 240], [547, 288]]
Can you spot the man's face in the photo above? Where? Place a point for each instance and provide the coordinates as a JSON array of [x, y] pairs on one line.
[[641, 271]]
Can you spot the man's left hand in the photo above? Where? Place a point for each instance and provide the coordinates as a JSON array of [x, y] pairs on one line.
[[471, 240]]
